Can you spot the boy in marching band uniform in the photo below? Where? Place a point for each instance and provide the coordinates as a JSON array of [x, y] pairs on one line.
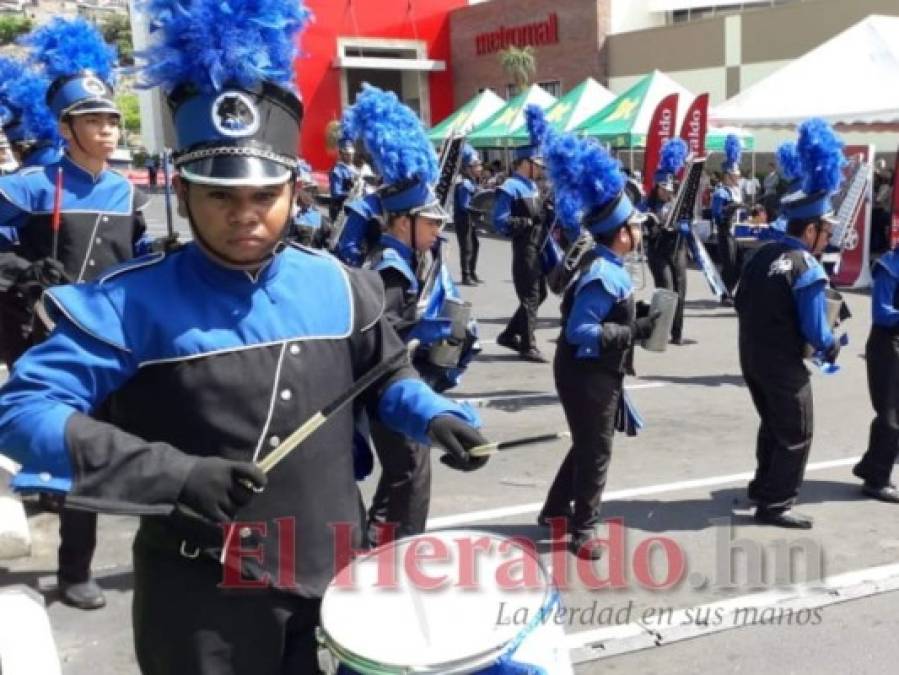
[[205, 358], [100, 223], [601, 323], [395, 139], [466, 231], [781, 307]]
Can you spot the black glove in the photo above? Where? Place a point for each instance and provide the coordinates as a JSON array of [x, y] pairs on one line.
[[215, 488], [643, 326], [830, 356], [456, 436], [642, 309], [46, 272]]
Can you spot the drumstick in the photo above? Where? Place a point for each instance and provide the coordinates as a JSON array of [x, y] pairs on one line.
[[311, 425], [492, 448], [57, 213]]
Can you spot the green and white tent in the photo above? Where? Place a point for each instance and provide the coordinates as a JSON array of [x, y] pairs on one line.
[[579, 104], [474, 112], [498, 130], [624, 123]]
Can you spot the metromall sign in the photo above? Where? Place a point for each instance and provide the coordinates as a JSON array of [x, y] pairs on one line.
[[532, 34]]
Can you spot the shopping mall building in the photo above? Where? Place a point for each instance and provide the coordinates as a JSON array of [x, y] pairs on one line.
[[436, 54]]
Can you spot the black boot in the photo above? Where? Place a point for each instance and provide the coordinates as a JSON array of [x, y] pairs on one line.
[[83, 595], [783, 518]]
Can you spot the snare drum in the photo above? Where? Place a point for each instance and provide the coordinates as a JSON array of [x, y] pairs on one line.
[[470, 623]]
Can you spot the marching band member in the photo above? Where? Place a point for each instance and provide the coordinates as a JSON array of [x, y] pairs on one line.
[[882, 361], [781, 307], [600, 324], [466, 232], [666, 250], [230, 328], [518, 214], [404, 156], [343, 176], [100, 220], [726, 200], [308, 228]]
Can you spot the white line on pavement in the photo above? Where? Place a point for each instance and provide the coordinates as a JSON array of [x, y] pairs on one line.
[[533, 507], [738, 612]]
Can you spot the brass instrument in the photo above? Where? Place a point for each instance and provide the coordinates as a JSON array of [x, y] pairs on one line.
[[358, 192]]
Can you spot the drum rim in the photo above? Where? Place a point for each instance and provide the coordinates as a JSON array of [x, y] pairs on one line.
[[456, 667]]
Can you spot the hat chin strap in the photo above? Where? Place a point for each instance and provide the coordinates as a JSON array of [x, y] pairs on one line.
[[226, 262]]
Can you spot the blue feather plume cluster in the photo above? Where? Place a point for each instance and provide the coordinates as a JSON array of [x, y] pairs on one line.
[[674, 154], [24, 90], [393, 136], [64, 47], [820, 155], [9, 70], [211, 43], [732, 150], [583, 174], [535, 120], [788, 160]]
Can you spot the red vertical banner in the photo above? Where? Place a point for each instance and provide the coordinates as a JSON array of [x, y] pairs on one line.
[[660, 130], [894, 224], [854, 267], [696, 124]]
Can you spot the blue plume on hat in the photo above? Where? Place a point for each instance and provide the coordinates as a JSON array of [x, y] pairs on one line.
[[535, 120], [469, 155], [26, 93], [732, 151], [393, 136], [65, 47], [210, 43], [9, 70], [583, 174], [788, 160], [820, 155], [674, 154]]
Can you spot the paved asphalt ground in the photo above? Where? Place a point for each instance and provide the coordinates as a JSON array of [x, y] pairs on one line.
[[683, 478]]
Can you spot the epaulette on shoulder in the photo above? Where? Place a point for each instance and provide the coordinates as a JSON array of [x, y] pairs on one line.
[[132, 265], [29, 170]]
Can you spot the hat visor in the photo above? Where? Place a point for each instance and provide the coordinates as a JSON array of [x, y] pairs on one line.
[[831, 218], [93, 106], [236, 171], [432, 210], [538, 160]]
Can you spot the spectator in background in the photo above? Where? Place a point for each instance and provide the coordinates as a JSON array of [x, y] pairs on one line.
[[758, 215], [881, 216], [152, 165], [750, 187]]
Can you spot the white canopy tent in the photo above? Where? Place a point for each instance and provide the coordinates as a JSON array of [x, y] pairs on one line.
[[852, 81]]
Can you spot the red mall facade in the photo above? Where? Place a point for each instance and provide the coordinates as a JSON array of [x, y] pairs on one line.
[[402, 45]]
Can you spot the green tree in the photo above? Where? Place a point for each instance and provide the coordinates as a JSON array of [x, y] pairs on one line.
[[11, 27], [519, 64], [116, 30], [130, 112]]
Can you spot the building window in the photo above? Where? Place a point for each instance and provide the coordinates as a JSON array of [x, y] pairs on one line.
[[553, 87], [711, 9]]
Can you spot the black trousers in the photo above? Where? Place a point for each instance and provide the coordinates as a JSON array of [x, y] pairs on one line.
[[184, 624], [78, 540], [469, 245], [728, 254], [589, 397], [882, 355], [530, 285], [782, 395], [668, 265], [403, 494]]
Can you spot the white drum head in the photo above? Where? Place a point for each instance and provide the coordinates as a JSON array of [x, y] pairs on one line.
[[402, 627]]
